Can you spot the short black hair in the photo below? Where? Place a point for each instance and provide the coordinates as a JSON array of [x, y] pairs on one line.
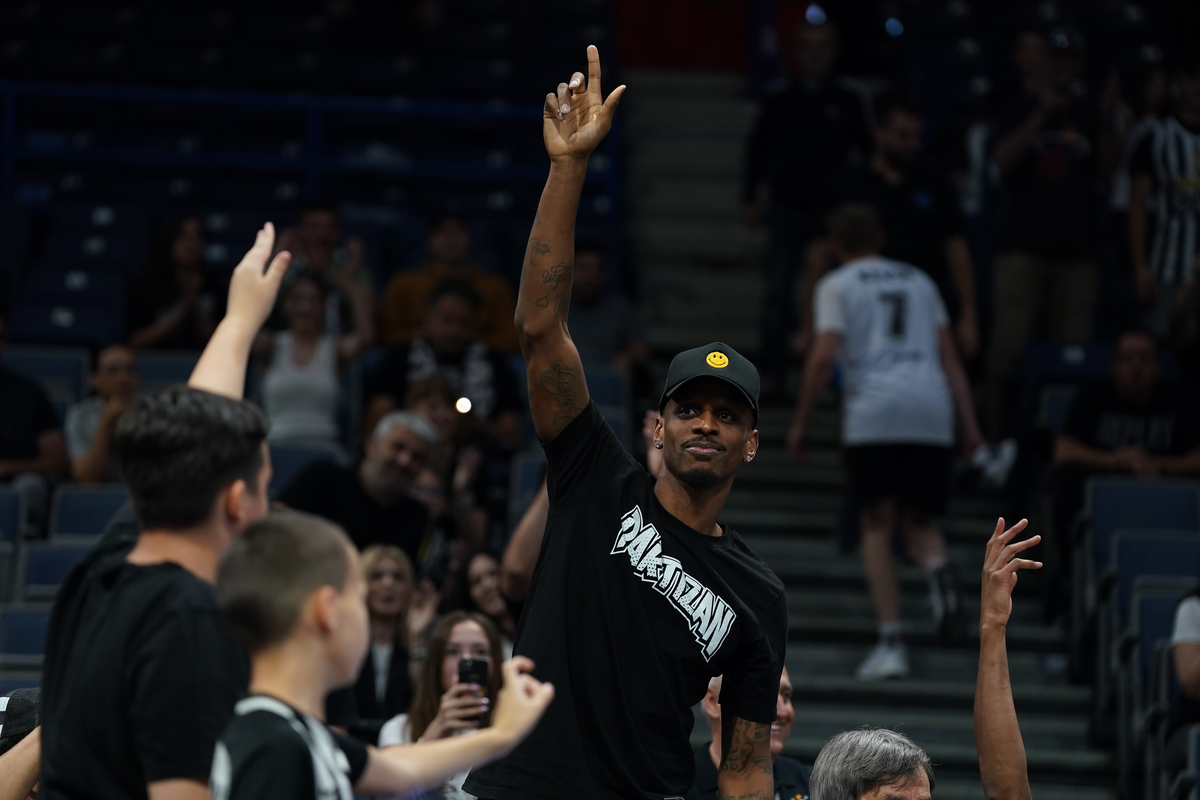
[[889, 104], [590, 245], [178, 448], [442, 217], [455, 287], [270, 570]]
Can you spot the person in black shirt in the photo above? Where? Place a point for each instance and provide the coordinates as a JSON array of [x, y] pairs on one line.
[[1133, 425], [791, 776], [803, 133], [448, 347], [921, 214], [372, 502], [1047, 148], [140, 674], [639, 596], [292, 592]]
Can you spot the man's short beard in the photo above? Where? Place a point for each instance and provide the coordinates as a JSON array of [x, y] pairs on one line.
[[699, 478]]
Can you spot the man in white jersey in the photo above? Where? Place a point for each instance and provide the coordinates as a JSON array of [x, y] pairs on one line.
[[903, 379]]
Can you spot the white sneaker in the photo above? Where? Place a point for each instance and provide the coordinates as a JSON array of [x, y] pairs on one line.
[[887, 660]]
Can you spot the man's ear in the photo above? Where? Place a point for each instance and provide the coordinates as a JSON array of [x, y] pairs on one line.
[[659, 429], [235, 503], [751, 448]]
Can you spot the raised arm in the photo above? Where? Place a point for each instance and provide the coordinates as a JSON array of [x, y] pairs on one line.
[[1002, 766], [252, 291], [747, 771], [404, 768], [574, 122]]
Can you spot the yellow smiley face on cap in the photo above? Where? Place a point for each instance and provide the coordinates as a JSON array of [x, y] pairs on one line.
[[717, 359]]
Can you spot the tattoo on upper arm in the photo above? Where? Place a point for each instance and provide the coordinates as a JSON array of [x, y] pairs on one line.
[[562, 302], [542, 301], [537, 247], [559, 382], [557, 274]]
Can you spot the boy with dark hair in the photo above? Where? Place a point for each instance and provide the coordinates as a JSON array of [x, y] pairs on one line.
[[141, 674], [292, 592]]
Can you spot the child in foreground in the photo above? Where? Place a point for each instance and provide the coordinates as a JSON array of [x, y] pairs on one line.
[[292, 592]]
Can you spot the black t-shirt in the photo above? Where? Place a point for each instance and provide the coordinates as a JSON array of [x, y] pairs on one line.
[[25, 414], [337, 493], [791, 778], [1166, 425], [1052, 198], [270, 751], [918, 214], [630, 613], [140, 677], [801, 136], [478, 374]]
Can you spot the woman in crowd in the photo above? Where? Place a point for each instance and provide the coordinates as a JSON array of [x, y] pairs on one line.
[[443, 707], [172, 303], [476, 588], [300, 368]]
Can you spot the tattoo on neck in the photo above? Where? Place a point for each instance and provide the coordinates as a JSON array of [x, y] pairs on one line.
[[559, 382]]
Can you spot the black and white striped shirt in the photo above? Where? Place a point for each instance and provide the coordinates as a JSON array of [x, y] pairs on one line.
[[1170, 155]]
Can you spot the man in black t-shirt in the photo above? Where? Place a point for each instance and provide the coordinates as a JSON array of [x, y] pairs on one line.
[[791, 776], [1133, 425], [1046, 146], [805, 131], [639, 596], [372, 501], [449, 347], [140, 674], [921, 214]]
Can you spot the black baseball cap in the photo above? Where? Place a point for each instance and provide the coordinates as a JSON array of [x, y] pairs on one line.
[[20, 713], [715, 360]]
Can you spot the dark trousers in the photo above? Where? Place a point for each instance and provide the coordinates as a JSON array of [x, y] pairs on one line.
[[790, 229]]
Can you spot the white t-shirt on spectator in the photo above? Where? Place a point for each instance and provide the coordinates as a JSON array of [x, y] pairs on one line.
[[889, 314], [395, 731], [1187, 622]]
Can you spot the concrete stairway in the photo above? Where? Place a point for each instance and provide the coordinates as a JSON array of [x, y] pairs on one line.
[[701, 281]]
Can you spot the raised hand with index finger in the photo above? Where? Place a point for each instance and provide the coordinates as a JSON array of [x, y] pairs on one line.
[[1000, 567], [577, 118]]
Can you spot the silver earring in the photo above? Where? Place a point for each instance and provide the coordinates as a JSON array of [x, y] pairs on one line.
[[658, 445]]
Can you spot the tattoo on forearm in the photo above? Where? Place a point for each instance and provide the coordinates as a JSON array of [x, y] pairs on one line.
[[562, 302], [749, 748], [557, 274], [542, 302], [559, 382], [537, 247]]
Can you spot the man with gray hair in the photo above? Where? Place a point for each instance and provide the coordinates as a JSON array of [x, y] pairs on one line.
[[372, 501], [872, 764]]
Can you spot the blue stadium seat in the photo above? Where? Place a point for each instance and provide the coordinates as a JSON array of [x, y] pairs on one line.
[[1152, 616], [85, 510], [37, 321], [75, 284], [62, 371], [525, 479], [287, 463], [607, 387], [1161, 717], [1054, 403], [11, 515], [43, 568], [23, 636], [1112, 504], [160, 369]]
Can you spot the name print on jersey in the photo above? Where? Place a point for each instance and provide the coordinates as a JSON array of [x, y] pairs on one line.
[[708, 616]]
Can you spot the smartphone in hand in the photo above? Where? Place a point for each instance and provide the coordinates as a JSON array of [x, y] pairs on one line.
[[474, 670]]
